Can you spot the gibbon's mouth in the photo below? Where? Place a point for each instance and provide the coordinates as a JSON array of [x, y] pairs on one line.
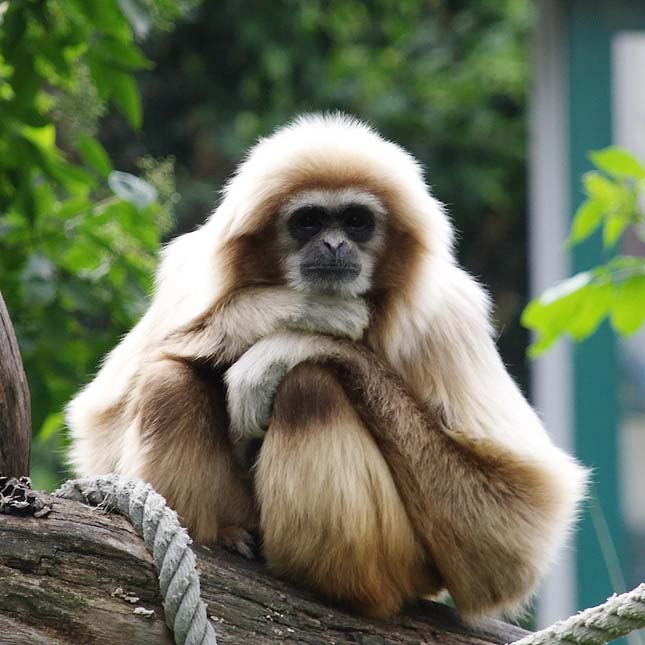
[[344, 273]]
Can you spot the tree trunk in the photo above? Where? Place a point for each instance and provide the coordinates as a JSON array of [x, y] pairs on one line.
[[15, 413], [79, 574]]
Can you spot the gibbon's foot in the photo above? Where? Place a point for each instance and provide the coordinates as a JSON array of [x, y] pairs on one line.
[[240, 541]]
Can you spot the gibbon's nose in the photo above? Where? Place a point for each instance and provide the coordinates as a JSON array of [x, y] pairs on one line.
[[336, 246]]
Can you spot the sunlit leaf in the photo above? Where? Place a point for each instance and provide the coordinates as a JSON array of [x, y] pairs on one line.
[[556, 312], [74, 178], [587, 219], [614, 228], [565, 288], [628, 312], [600, 188], [44, 137], [593, 308], [618, 162]]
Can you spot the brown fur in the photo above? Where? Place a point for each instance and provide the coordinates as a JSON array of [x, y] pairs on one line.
[[186, 452], [331, 516], [475, 507]]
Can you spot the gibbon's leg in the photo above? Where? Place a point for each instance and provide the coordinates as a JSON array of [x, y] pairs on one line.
[[488, 512], [185, 453], [330, 514]]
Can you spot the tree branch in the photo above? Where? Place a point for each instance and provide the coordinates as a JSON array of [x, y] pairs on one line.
[[60, 575], [15, 411]]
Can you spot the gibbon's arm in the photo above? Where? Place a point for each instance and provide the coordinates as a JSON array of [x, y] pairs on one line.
[[253, 313], [101, 415], [491, 508]]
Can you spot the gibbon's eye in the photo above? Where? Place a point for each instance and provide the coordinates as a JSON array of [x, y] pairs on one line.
[[307, 221], [358, 221]]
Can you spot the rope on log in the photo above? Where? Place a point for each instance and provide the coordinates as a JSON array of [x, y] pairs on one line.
[[617, 617], [165, 538], [185, 612]]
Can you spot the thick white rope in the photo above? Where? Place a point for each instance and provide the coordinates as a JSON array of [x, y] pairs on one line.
[[185, 612], [167, 541], [617, 617]]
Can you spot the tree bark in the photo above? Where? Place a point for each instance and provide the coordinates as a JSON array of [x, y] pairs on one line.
[[15, 412], [59, 577]]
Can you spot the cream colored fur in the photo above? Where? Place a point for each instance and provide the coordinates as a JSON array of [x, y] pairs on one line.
[[434, 333], [329, 482]]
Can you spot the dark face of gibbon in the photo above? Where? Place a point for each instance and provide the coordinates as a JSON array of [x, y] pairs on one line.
[[332, 239]]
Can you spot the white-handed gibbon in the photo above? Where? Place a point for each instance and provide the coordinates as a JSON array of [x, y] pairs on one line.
[[315, 366]]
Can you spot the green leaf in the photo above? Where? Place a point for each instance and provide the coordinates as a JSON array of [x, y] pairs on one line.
[[600, 188], [126, 96], [43, 137], [618, 162], [114, 53], [81, 255], [540, 345], [52, 424], [94, 155], [628, 311], [72, 206], [102, 75], [586, 220], [551, 314], [76, 179], [593, 307], [614, 228]]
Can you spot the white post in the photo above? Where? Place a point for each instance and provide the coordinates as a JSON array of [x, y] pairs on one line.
[[549, 217]]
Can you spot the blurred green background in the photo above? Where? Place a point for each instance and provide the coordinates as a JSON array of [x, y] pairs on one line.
[[120, 121]]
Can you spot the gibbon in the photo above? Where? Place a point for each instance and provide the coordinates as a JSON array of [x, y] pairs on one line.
[[315, 366]]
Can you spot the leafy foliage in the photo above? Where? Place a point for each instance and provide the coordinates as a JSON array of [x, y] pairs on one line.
[[614, 290], [78, 239]]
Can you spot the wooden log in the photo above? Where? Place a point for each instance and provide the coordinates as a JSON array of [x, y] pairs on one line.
[[15, 411], [60, 576]]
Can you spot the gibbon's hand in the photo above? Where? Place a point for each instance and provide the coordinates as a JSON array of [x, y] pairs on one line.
[[253, 380]]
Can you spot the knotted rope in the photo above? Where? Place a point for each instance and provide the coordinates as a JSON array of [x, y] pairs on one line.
[[165, 538], [597, 625]]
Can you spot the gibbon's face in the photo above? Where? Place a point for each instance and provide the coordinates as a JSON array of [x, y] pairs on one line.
[[331, 239]]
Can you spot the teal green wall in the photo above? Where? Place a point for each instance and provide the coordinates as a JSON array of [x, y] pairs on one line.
[[590, 25]]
